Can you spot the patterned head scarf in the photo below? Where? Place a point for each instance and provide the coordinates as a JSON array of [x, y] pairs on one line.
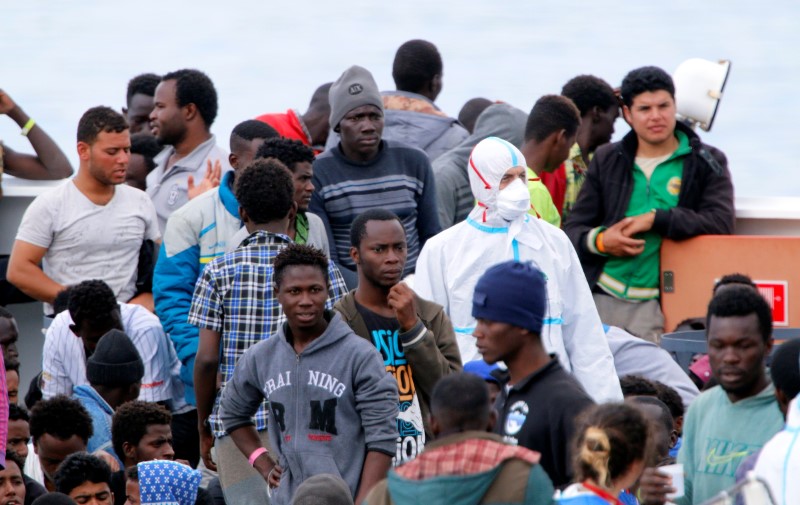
[[167, 483]]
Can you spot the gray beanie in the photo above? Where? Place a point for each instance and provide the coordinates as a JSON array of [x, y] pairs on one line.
[[115, 361], [323, 489], [354, 88]]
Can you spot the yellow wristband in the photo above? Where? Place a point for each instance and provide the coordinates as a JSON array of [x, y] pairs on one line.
[[28, 127]]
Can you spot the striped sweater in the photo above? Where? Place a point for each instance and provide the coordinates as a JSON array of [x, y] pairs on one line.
[[398, 179]]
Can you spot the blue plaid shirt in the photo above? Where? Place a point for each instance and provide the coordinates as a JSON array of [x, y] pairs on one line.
[[235, 297]]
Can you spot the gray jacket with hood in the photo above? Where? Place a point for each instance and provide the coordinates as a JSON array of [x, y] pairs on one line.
[[453, 195], [328, 405], [433, 134]]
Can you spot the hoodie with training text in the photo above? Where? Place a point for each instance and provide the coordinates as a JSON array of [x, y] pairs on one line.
[[328, 405]]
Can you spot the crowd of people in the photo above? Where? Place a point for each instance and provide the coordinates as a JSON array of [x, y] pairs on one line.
[[375, 302]]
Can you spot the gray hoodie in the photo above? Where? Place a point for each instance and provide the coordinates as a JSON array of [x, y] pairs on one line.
[[433, 134], [453, 194], [329, 405]]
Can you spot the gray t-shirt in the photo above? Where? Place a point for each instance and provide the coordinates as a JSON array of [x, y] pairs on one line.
[[89, 241]]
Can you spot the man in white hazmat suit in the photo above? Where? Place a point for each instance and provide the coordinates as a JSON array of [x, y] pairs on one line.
[[498, 229]]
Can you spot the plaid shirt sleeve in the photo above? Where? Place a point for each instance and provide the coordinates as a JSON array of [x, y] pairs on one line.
[[337, 288], [206, 310]]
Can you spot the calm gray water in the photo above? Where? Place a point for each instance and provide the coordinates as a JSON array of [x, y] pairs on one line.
[[60, 58]]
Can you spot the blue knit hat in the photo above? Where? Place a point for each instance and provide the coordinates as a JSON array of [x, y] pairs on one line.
[[513, 293]]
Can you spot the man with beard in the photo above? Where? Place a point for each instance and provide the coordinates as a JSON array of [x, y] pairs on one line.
[[185, 106], [91, 227]]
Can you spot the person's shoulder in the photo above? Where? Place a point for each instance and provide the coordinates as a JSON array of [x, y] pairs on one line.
[[444, 236], [138, 318], [193, 211], [314, 220], [59, 328], [325, 157], [409, 153], [566, 384], [707, 399], [128, 194], [607, 152], [53, 197], [428, 310]]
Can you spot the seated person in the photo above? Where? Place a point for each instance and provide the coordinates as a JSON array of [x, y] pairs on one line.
[[93, 312], [114, 373]]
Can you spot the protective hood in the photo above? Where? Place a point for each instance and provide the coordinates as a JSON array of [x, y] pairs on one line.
[[489, 161]]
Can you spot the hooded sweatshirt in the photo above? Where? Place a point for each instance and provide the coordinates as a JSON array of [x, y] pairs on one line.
[[329, 405], [451, 263], [415, 120], [467, 468], [453, 195]]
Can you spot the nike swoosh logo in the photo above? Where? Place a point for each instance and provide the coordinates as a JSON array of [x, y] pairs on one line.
[[712, 459]]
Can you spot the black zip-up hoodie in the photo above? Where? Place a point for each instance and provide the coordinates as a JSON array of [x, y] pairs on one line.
[[705, 203]]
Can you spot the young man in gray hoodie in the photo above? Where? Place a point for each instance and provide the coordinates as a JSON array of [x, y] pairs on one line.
[[332, 404]]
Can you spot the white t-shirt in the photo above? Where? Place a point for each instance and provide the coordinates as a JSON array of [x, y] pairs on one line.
[[89, 241], [64, 359], [648, 165]]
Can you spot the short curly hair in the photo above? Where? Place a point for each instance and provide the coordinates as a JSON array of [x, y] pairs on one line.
[[61, 417], [588, 91], [100, 119], [78, 468], [671, 398], [734, 279], [193, 86], [738, 301], [637, 385], [295, 255], [265, 190], [416, 63], [358, 230], [92, 301], [144, 84], [131, 420], [643, 80], [17, 413], [550, 114], [11, 455], [252, 129], [288, 151]]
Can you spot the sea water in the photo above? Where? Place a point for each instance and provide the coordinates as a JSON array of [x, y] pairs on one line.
[[59, 58]]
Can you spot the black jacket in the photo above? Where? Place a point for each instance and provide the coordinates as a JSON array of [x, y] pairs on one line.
[[705, 203], [539, 413]]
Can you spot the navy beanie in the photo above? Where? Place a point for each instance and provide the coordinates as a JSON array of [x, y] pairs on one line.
[[513, 293]]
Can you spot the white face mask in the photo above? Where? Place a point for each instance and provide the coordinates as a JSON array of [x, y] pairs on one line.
[[513, 201]]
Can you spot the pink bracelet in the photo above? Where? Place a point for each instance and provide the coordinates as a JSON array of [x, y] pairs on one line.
[[255, 454]]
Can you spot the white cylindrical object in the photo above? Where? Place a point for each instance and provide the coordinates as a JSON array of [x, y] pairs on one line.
[[676, 472], [698, 89]]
